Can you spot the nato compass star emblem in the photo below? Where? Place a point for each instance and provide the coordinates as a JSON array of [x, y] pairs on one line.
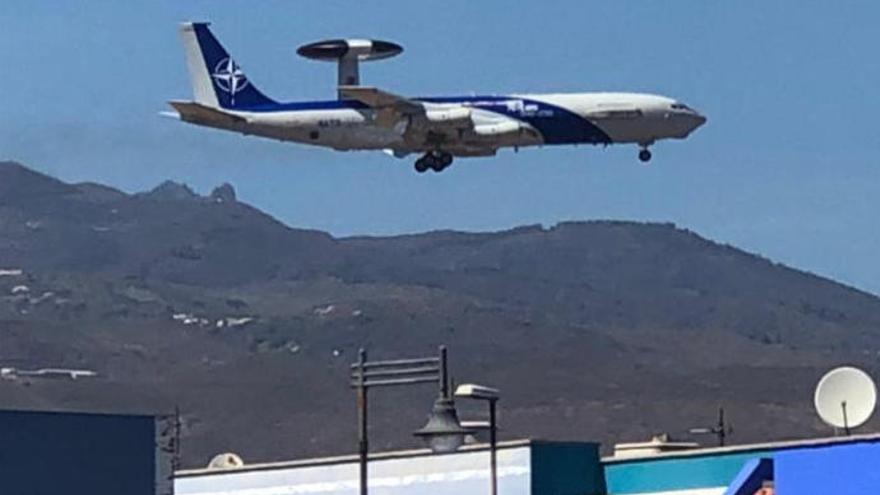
[[229, 77]]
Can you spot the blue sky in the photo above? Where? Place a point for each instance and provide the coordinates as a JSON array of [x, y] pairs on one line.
[[787, 167]]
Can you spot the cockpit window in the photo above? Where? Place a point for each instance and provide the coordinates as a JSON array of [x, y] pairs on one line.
[[680, 106]]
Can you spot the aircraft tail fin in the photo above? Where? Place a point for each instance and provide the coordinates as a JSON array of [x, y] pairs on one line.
[[217, 80]]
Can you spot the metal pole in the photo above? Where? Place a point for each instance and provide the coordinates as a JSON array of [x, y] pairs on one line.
[[493, 461], [444, 377], [363, 445], [845, 419]]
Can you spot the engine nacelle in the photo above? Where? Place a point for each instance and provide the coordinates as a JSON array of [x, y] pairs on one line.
[[499, 129], [452, 117]]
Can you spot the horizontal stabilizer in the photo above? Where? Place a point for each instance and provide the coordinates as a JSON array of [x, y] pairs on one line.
[[197, 113]]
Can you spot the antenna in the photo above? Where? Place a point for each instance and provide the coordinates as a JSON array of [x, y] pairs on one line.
[[845, 398], [721, 429]]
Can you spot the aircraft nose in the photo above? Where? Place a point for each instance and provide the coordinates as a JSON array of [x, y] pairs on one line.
[[696, 120], [687, 122]]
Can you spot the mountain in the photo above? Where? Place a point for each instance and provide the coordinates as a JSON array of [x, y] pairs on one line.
[[593, 330]]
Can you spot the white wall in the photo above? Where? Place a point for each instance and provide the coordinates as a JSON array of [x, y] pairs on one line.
[[453, 474]]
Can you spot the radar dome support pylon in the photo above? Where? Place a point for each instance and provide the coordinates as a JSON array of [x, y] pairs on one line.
[[348, 53]]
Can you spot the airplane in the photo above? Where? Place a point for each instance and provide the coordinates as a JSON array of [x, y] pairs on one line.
[[436, 128]]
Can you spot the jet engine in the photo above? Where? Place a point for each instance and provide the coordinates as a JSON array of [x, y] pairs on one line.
[[498, 129], [453, 117]]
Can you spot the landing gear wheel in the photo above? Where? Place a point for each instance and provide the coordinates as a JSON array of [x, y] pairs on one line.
[[445, 160], [439, 161], [436, 161], [436, 164], [645, 155]]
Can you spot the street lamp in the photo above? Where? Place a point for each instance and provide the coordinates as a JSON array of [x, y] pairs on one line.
[[443, 432], [490, 395]]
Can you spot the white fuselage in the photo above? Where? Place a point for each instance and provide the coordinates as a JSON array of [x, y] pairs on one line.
[[510, 121]]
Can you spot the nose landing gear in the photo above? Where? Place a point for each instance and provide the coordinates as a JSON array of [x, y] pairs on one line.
[[435, 160], [645, 154]]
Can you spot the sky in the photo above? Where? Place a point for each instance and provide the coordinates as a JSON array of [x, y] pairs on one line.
[[787, 167]]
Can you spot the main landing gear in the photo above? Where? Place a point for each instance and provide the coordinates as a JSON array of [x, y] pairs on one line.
[[645, 154], [435, 160]]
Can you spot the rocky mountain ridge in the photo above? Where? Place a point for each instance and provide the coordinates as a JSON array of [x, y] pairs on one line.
[[593, 330]]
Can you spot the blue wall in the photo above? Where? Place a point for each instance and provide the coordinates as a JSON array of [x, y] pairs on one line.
[[851, 467], [842, 470], [679, 473]]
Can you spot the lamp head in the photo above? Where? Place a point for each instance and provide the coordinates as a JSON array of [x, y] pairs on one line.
[[443, 432], [474, 391]]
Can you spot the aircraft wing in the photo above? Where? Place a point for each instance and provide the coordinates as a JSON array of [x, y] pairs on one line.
[[378, 99], [421, 124]]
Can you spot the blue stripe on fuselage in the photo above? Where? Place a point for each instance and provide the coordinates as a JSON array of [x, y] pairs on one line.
[[556, 124], [307, 105]]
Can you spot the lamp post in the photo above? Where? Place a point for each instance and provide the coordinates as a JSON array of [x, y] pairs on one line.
[[443, 431], [490, 395]]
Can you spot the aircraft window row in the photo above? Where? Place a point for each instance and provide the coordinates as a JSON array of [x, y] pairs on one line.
[[618, 114]]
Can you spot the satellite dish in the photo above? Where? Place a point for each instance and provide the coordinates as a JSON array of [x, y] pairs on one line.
[[845, 397]]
